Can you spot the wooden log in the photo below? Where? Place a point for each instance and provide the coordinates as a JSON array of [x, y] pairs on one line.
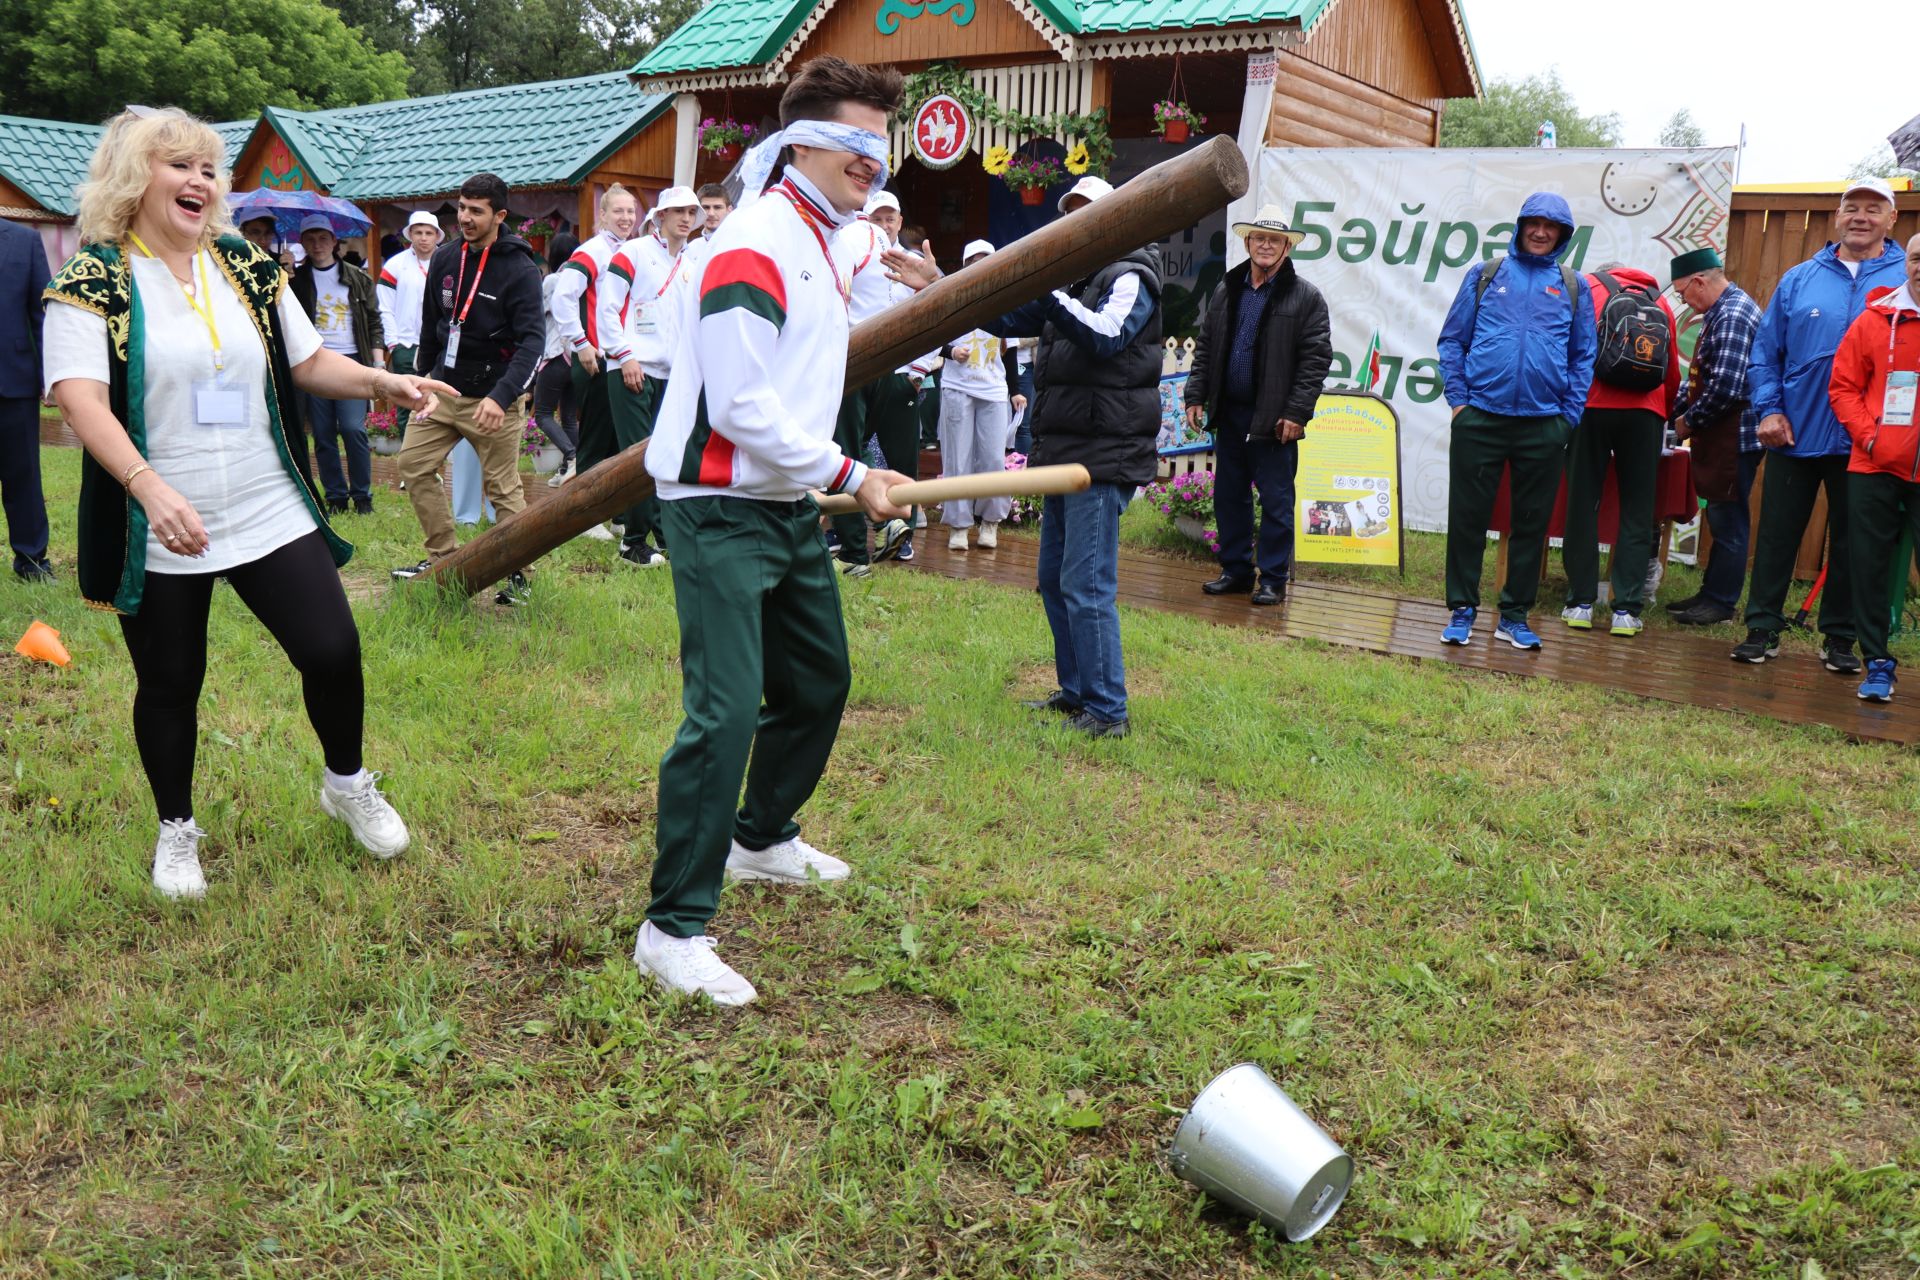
[[1164, 200]]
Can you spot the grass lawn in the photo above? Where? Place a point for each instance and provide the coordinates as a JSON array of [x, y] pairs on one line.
[[1589, 986]]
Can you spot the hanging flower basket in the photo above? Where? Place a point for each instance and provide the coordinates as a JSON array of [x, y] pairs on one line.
[[725, 138], [1030, 176], [1033, 195], [1175, 121]]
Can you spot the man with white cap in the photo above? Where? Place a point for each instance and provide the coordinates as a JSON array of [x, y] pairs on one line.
[[1807, 448], [339, 298], [639, 298], [885, 410], [1265, 346], [1096, 375], [978, 380], [402, 290]]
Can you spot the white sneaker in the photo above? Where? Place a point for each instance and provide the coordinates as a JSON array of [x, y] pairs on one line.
[[368, 815], [919, 517], [600, 533], [689, 965], [176, 860], [789, 862], [989, 535], [1578, 616], [849, 569], [1625, 624], [957, 540], [892, 534], [561, 475]]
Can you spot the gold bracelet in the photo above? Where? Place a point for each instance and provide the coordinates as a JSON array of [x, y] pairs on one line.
[[132, 473]]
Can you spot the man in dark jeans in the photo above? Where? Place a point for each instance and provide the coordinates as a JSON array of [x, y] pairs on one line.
[[339, 298], [23, 274], [1516, 353], [1713, 413], [1265, 346]]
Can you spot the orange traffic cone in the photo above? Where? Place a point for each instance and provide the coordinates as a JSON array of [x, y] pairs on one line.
[[43, 642]]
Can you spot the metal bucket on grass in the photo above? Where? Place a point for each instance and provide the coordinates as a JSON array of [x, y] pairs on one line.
[[1245, 1142]]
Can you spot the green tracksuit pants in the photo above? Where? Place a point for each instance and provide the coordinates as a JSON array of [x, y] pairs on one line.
[[597, 440], [1880, 510], [1483, 444], [1787, 488], [764, 677], [633, 414], [400, 360], [884, 409], [1631, 439]]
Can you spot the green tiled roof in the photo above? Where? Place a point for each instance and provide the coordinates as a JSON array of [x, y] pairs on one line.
[[549, 134], [746, 33], [46, 158], [235, 134], [727, 33]]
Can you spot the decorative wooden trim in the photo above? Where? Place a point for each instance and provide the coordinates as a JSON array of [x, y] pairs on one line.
[[756, 77], [1060, 41], [1160, 44]]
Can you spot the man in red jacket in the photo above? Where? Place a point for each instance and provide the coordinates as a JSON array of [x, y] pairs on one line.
[[1635, 378], [1875, 375]]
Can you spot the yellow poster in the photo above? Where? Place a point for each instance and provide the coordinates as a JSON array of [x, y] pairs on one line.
[[1348, 484]]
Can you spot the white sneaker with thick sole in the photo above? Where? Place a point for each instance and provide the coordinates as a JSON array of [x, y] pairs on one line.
[[368, 815], [789, 862], [957, 540], [689, 965], [989, 535], [176, 860]]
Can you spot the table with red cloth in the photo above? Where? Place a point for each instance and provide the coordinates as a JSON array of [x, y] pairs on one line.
[[1674, 501]]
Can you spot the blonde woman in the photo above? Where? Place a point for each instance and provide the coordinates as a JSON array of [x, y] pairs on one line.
[[175, 348]]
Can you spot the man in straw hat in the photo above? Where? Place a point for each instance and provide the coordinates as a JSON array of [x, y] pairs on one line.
[[1715, 413], [1265, 346]]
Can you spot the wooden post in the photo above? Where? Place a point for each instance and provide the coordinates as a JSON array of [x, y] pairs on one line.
[[1165, 199]]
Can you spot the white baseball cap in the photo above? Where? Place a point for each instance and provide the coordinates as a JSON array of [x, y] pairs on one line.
[[1091, 187], [976, 247], [317, 222], [677, 198], [882, 200], [1878, 186], [421, 218]]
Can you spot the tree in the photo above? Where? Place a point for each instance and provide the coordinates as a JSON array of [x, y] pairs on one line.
[[221, 59], [474, 44], [1879, 164], [1511, 112], [1681, 130]]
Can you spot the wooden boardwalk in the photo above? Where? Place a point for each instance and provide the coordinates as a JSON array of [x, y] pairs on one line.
[[1669, 665]]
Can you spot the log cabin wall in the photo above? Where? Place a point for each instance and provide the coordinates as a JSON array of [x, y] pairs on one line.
[[996, 33], [1368, 76], [1316, 107]]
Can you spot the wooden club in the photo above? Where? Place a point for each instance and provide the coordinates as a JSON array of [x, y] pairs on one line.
[[1166, 199], [1033, 482]]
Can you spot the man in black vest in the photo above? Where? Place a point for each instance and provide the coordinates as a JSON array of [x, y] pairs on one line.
[[1266, 344], [1096, 376]]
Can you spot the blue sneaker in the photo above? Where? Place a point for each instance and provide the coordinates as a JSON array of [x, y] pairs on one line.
[[1517, 634], [1878, 686], [1460, 630], [905, 554]]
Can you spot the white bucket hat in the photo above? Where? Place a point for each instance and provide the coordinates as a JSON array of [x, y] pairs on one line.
[[421, 218], [677, 198], [1091, 187]]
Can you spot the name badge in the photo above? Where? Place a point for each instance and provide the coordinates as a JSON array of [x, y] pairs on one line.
[[647, 322], [220, 403], [452, 352], [1897, 409]]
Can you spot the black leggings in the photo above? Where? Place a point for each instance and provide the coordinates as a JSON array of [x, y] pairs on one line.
[[553, 390], [295, 591]]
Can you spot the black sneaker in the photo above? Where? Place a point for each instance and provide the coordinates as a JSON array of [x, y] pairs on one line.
[[1693, 601], [1704, 614], [1757, 647], [642, 556], [363, 506], [33, 571], [1094, 727], [406, 571], [515, 592], [1055, 701], [336, 508], [1839, 657]]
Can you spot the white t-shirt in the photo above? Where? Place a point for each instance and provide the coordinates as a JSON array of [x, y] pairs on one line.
[[981, 375], [1853, 268], [232, 475], [332, 312]]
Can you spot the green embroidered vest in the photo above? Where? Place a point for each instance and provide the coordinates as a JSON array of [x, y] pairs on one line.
[[113, 527]]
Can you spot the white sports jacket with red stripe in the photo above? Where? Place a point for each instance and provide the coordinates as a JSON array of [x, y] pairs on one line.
[[576, 297], [639, 292], [750, 408]]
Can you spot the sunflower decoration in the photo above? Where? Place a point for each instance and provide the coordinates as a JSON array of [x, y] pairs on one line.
[[1078, 161], [998, 158]]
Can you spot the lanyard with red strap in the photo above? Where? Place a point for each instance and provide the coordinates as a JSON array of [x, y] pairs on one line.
[[461, 318], [814, 218]]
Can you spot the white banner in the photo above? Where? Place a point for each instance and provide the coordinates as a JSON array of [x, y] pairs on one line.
[[1391, 230]]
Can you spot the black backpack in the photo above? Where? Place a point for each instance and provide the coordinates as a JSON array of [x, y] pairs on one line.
[[1635, 339]]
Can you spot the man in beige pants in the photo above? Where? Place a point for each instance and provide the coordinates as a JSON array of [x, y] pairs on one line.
[[482, 329]]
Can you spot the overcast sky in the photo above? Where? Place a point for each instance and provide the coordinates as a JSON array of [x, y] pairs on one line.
[[1818, 90]]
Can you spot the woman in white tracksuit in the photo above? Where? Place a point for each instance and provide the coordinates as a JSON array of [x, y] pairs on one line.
[[978, 380]]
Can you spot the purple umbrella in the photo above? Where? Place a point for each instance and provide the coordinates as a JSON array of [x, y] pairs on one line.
[[289, 209]]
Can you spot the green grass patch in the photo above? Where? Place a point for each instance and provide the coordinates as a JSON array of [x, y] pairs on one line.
[[1589, 986]]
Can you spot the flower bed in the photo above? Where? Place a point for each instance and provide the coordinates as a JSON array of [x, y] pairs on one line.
[[1187, 503]]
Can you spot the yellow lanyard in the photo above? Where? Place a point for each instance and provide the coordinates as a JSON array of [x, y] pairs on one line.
[[202, 306]]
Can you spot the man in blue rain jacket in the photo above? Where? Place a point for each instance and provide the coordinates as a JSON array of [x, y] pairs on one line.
[[1787, 376], [1517, 354]]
